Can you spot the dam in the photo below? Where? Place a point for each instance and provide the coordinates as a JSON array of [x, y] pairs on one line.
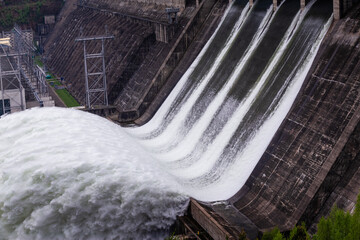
[[251, 108]]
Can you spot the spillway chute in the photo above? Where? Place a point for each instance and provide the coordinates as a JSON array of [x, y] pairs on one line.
[[200, 150], [208, 59]]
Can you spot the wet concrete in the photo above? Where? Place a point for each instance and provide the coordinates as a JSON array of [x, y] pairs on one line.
[[313, 160], [306, 151], [194, 49], [154, 77]]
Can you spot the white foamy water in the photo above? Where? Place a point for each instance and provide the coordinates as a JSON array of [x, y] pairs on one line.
[[247, 159], [171, 135], [67, 174], [158, 120]]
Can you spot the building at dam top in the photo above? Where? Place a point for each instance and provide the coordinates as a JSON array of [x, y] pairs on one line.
[[312, 161]]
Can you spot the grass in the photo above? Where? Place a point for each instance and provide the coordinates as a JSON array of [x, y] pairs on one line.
[[64, 94], [67, 98], [37, 61]]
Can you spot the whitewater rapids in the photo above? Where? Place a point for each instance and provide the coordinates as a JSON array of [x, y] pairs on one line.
[[68, 174]]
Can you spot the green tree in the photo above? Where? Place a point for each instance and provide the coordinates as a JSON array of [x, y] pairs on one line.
[[299, 233], [340, 225], [274, 234], [242, 235], [24, 15]]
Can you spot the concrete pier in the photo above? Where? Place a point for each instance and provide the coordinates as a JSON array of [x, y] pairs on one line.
[[341, 7], [275, 4], [303, 3]]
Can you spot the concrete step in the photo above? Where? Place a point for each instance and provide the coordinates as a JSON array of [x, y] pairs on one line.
[[47, 98], [32, 104], [49, 103]]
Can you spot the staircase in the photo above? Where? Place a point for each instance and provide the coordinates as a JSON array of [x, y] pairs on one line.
[[41, 95]]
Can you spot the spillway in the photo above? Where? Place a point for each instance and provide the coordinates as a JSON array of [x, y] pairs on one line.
[[68, 174], [216, 124]]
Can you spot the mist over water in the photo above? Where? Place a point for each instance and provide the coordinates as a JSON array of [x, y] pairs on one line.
[[67, 174]]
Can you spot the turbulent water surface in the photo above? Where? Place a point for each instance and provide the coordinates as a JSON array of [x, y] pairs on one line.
[[66, 174]]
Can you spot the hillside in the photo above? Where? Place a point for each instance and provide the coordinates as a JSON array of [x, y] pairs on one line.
[[26, 12]]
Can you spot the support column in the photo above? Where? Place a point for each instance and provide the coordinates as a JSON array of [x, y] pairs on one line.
[[95, 72], [2, 91], [275, 4], [303, 3], [336, 6], [87, 93]]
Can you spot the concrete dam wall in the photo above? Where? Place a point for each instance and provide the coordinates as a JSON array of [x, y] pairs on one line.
[[144, 43], [230, 106], [312, 162], [308, 144], [120, 4], [70, 64]]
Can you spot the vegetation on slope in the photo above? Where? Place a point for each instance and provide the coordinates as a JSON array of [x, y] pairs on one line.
[[60, 90], [338, 225], [26, 12]]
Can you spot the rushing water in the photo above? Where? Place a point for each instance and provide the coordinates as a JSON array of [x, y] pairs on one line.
[[219, 130], [66, 174]]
